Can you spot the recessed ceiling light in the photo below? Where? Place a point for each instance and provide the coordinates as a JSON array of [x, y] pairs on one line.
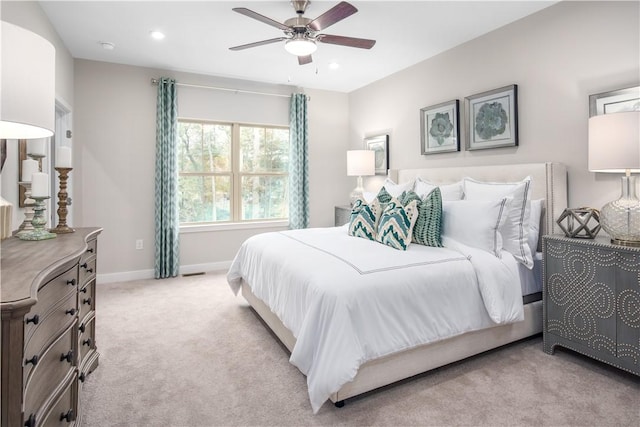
[[334, 65], [156, 35], [108, 45]]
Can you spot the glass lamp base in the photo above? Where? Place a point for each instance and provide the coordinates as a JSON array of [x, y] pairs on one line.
[[621, 218], [357, 193]]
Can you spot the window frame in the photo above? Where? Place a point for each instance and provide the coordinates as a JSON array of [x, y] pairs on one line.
[[236, 175]]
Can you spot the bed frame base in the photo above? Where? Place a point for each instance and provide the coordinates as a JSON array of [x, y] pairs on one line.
[[399, 366]]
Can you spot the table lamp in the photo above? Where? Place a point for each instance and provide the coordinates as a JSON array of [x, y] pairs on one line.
[[360, 163], [614, 147]]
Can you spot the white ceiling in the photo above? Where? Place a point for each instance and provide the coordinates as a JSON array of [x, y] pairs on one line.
[[199, 34]]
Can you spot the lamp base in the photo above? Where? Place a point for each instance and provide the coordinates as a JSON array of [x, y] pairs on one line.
[[621, 218], [357, 193], [631, 243]]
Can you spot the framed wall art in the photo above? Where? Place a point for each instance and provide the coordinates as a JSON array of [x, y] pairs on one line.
[[379, 144], [439, 128], [615, 101], [492, 118]]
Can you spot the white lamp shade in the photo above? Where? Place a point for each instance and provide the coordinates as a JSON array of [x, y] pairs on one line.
[[614, 142], [361, 162], [27, 84], [300, 46]]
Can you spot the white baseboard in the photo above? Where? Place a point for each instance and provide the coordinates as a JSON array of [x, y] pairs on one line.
[[127, 276]]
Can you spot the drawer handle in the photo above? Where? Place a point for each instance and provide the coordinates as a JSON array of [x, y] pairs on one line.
[[82, 328], [71, 311], [90, 250], [67, 356], [82, 377], [86, 267], [84, 291], [35, 319], [31, 421], [87, 342], [69, 416], [71, 282], [33, 360], [87, 301]]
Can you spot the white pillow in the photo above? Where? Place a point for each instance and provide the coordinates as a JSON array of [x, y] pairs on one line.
[[397, 189], [534, 225], [448, 191], [515, 230], [475, 223]]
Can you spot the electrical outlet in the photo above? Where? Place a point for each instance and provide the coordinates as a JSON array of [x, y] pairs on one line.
[[139, 244]]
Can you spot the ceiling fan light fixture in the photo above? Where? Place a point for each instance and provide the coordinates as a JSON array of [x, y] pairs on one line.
[[300, 46]]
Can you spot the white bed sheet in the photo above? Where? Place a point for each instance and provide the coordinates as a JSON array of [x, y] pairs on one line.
[[348, 300]]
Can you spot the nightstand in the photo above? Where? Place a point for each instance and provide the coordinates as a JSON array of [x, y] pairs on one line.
[[342, 215], [591, 299]]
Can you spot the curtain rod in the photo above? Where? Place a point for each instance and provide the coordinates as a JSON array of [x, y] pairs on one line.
[[155, 82]]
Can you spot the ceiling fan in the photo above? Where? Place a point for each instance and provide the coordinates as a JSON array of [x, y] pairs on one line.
[[301, 34]]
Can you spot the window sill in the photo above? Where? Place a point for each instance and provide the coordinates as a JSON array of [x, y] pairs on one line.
[[233, 226]]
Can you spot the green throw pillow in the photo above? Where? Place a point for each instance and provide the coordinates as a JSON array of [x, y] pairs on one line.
[[428, 228], [396, 224], [364, 219]]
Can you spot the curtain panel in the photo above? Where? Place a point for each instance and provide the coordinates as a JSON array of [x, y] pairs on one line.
[[167, 224], [298, 163]]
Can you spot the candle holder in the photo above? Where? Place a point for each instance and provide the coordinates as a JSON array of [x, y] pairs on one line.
[[38, 222], [62, 226], [38, 158], [26, 226]]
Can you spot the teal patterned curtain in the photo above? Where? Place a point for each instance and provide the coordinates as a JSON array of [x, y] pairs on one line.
[[298, 163], [166, 214]]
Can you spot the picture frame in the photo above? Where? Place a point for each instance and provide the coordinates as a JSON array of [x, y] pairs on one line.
[[379, 144], [615, 101], [440, 128], [492, 119]]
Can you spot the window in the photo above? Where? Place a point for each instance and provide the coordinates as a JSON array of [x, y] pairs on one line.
[[231, 172]]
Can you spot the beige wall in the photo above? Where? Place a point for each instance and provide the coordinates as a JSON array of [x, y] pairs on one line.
[[557, 57], [115, 128]]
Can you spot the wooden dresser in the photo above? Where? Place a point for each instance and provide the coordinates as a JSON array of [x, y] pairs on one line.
[[48, 327]]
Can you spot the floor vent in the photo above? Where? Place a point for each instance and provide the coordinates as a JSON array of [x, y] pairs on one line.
[[200, 273]]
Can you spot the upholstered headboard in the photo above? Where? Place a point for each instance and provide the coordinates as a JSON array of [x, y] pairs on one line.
[[548, 182]]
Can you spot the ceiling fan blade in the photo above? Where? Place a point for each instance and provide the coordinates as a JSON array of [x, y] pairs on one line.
[[255, 15], [346, 41], [260, 43], [333, 15], [302, 60]]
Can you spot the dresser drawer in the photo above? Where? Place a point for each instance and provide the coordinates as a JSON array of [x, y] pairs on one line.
[[64, 411], [49, 327], [86, 299], [50, 370], [49, 295], [86, 337], [92, 248], [87, 270]]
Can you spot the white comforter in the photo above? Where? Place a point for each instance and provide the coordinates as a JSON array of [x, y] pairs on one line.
[[349, 300]]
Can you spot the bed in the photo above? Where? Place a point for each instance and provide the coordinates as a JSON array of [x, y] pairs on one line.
[[352, 332]]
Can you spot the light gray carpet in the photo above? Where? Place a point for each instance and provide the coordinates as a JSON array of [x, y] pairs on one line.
[[187, 352]]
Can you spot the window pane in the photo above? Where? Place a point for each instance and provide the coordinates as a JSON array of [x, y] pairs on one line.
[[204, 147], [264, 149], [189, 147], [217, 148], [264, 197], [204, 198]]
